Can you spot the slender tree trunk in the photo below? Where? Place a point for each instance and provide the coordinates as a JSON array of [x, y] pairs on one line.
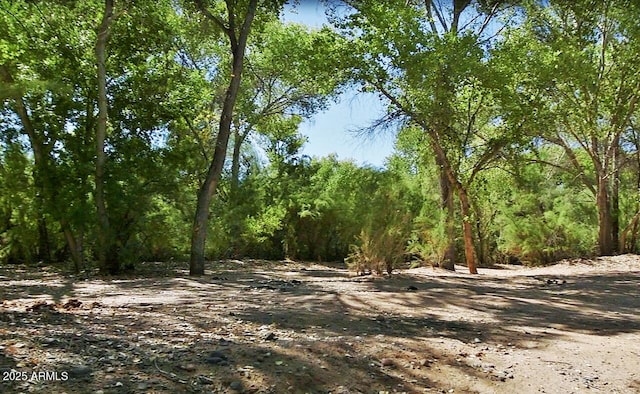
[[208, 188], [240, 135], [615, 198], [605, 224], [467, 230], [235, 160], [44, 247], [107, 263], [74, 247], [448, 206], [481, 244]]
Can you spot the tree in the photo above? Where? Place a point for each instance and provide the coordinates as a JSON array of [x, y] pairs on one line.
[[107, 263], [54, 93], [41, 98], [578, 88], [434, 70], [236, 27]]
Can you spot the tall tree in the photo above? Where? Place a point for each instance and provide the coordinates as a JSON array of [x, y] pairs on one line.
[[236, 26], [106, 263], [430, 62], [579, 86], [61, 93], [42, 99]]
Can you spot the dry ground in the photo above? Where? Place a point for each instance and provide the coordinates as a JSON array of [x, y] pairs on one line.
[[273, 327]]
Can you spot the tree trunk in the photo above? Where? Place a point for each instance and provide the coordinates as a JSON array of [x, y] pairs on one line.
[[44, 247], [481, 244], [75, 248], [235, 160], [615, 198], [448, 206], [467, 230], [106, 261], [208, 189], [605, 223], [464, 201]]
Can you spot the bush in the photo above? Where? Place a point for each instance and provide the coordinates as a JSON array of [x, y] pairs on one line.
[[378, 252], [382, 243]]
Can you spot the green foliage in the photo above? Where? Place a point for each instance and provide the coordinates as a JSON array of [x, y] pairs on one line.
[[528, 120], [429, 241], [18, 228], [544, 219], [382, 243]]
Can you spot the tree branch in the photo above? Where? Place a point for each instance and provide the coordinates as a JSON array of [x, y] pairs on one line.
[[201, 6]]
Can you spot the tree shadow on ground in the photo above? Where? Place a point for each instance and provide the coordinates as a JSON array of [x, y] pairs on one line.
[[597, 303], [159, 331], [124, 351]]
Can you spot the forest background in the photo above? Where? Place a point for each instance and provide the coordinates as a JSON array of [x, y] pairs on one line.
[[154, 130]]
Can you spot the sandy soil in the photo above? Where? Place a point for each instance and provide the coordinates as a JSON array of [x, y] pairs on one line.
[[274, 327]]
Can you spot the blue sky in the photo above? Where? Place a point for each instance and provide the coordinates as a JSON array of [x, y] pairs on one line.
[[333, 131]]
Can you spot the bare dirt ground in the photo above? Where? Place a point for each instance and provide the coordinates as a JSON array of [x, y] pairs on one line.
[[274, 327]]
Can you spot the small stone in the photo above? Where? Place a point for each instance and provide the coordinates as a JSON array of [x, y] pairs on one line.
[[187, 367], [236, 385], [488, 367], [270, 337], [476, 340], [386, 362], [49, 341], [217, 358]]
